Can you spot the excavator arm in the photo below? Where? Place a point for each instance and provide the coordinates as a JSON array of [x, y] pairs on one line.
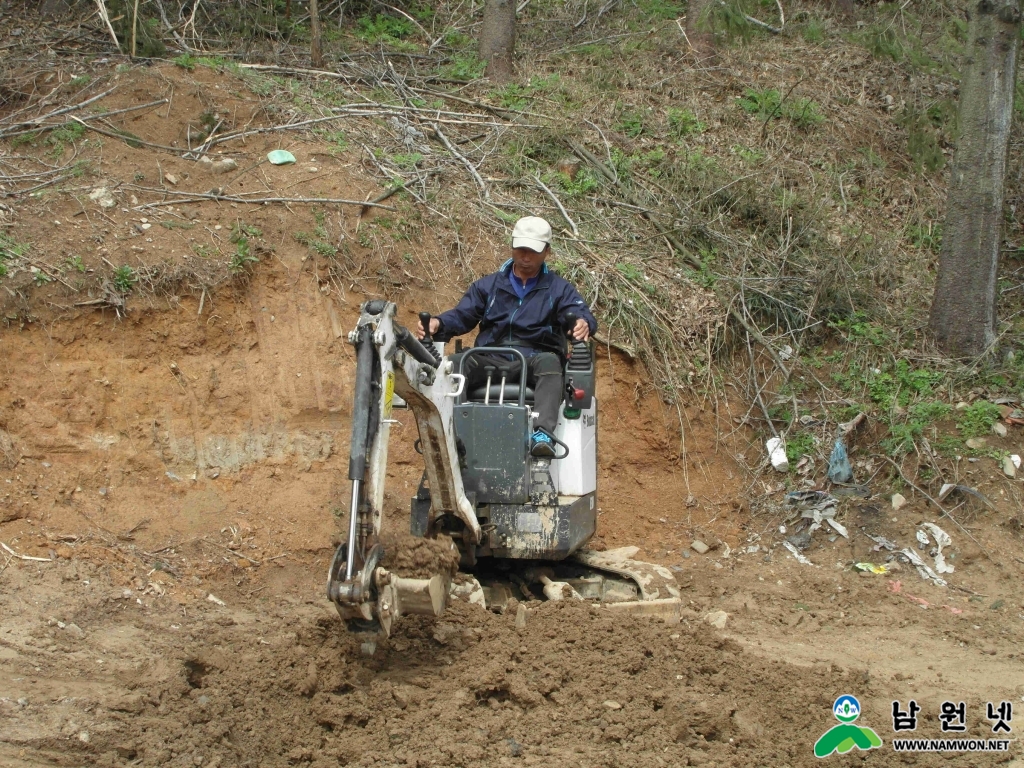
[[390, 361]]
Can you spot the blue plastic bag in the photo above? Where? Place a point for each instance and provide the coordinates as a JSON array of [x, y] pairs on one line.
[[839, 469]]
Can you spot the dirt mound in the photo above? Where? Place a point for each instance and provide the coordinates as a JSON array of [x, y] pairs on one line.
[[415, 558], [111, 676]]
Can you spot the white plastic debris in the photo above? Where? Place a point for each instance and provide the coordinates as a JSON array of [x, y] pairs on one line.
[[838, 527], [923, 538], [214, 599], [777, 454], [796, 554], [923, 568], [941, 540], [1015, 459]]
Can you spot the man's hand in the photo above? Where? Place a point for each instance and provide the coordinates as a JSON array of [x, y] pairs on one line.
[[581, 332], [435, 324]]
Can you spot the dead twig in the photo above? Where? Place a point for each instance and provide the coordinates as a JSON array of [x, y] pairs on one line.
[[561, 208], [12, 553], [62, 111], [184, 197], [459, 156]]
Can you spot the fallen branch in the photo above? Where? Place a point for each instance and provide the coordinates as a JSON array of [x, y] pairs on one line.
[[465, 162], [64, 110], [557, 202], [129, 140], [185, 197], [12, 553]]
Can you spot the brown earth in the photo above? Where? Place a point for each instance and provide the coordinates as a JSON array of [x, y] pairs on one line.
[[195, 449]]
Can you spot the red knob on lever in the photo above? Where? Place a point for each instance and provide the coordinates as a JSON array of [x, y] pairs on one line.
[[577, 393]]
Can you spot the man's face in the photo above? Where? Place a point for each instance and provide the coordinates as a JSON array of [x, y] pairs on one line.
[[527, 261]]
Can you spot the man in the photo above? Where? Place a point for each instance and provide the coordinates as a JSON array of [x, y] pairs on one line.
[[523, 306]]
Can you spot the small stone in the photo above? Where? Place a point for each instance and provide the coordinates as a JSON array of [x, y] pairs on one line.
[[74, 630], [171, 179], [999, 429], [976, 443], [102, 197], [401, 698], [521, 616], [898, 500], [1009, 468], [717, 619], [144, 227], [699, 547], [225, 165], [613, 705], [84, 737]]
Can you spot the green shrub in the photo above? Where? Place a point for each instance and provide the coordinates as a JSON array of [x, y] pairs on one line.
[[977, 418], [124, 279]]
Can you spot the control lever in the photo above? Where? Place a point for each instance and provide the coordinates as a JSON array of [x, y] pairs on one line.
[[570, 320], [425, 322], [428, 342]]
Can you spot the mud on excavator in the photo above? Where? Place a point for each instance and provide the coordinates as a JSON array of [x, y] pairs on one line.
[[520, 523]]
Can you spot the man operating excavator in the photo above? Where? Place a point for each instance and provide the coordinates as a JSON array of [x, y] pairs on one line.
[[523, 306]]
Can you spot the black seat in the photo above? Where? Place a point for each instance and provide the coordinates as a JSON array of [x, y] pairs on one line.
[[478, 394]]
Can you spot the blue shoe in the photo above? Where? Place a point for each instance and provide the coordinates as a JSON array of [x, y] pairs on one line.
[[541, 444]]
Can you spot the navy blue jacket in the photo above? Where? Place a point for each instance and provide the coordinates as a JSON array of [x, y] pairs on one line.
[[534, 321]]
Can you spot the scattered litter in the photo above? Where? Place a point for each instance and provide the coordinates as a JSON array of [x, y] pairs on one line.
[[898, 500], [953, 610], [785, 353], [838, 528], [717, 619], [777, 454], [839, 469], [172, 476], [1015, 459], [281, 157], [881, 570], [923, 568], [796, 554], [923, 539], [941, 540], [214, 599], [881, 543]]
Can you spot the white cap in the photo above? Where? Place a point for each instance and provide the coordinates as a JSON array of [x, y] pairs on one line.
[[531, 232]]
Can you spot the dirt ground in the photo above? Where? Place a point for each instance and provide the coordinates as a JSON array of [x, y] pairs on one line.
[[177, 476]]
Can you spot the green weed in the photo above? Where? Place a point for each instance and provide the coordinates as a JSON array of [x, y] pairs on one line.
[[76, 263], [464, 66], [767, 104], [243, 255], [813, 32], [799, 445], [901, 384], [407, 161], [584, 183], [682, 123], [68, 133], [927, 237], [124, 279], [631, 123], [383, 29], [904, 434], [977, 418]]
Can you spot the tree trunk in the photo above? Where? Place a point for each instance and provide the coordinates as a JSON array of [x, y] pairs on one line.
[[498, 39], [316, 55], [963, 316]]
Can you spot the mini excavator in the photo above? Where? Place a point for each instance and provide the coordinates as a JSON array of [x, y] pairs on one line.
[[520, 523]]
